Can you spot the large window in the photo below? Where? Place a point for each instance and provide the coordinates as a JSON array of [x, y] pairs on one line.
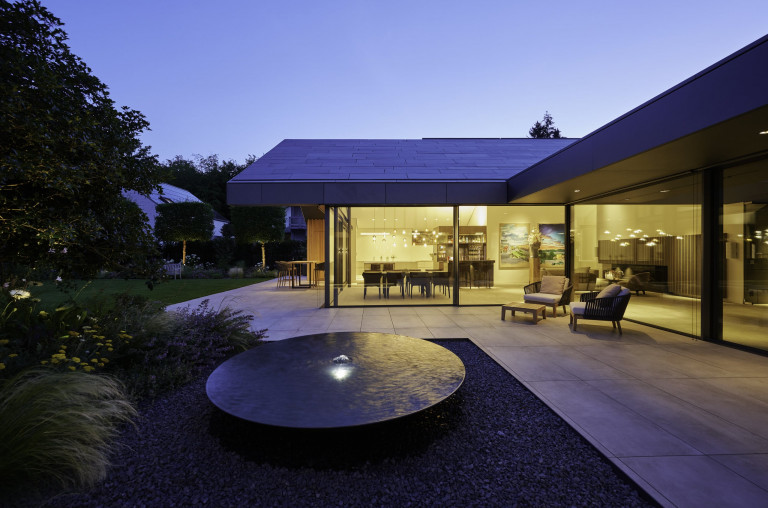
[[745, 244], [654, 235]]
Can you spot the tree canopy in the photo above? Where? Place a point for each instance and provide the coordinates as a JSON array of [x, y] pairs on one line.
[[67, 154], [182, 222], [545, 129], [258, 224], [205, 177]]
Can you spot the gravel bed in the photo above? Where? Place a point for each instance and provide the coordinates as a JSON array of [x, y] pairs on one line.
[[491, 444]]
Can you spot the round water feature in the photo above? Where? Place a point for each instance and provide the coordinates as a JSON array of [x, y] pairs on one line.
[[333, 380]]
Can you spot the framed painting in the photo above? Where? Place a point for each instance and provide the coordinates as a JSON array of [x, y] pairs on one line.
[[513, 246], [552, 250]]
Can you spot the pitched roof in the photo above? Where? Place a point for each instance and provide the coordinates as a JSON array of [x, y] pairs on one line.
[[399, 159]]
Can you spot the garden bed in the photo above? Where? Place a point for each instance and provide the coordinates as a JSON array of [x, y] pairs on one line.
[[492, 443]]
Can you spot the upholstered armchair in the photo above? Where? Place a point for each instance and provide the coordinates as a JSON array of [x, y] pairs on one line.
[[551, 290], [606, 305]]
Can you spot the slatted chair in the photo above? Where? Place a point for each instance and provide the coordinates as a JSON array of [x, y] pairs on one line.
[[553, 291], [421, 280], [284, 273], [443, 281], [602, 308]]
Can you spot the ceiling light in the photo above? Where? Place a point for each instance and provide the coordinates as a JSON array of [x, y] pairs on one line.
[[607, 232], [665, 190], [763, 132], [632, 236], [679, 237], [576, 190]]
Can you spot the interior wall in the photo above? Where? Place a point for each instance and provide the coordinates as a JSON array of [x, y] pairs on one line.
[[733, 227]]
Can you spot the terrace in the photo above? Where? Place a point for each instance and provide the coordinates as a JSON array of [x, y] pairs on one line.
[[684, 418]]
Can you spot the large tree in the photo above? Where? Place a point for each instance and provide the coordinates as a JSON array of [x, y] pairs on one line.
[[66, 154], [258, 224], [182, 222], [545, 129]]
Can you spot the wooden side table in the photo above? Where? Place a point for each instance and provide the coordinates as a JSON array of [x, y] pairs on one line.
[[532, 308]]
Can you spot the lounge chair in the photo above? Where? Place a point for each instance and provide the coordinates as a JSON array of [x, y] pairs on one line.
[[551, 290], [606, 305]]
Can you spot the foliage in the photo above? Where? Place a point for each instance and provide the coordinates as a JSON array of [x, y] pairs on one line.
[[258, 224], [59, 426], [135, 340], [545, 129], [66, 156], [182, 222], [189, 220], [205, 177]]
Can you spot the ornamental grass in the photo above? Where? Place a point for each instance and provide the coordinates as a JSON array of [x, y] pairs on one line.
[[58, 427]]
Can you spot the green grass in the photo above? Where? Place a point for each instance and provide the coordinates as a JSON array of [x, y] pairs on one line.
[[168, 291]]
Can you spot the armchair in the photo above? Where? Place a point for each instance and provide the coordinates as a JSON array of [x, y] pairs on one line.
[[553, 291], [605, 308]]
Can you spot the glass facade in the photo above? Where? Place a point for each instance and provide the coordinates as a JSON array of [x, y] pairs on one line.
[[650, 241], [398, 256], [744, 221]]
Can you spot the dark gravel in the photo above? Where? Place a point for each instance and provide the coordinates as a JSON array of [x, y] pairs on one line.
[[491, 444]]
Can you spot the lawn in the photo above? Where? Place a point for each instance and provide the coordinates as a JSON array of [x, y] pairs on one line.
[[168, 291]]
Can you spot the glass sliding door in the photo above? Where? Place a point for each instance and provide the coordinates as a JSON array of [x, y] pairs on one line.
[[399, 256], [649, 240], [745, 260], [495, 260]]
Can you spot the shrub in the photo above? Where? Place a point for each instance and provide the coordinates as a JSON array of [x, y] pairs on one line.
[[235, 272], [59, 426]]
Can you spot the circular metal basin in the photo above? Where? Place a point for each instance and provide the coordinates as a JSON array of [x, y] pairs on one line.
[[332, 380]]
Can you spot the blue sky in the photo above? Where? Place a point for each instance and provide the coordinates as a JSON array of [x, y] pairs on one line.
[[235, 77]]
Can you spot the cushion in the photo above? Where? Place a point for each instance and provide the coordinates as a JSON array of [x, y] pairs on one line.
[[610, 291], [542, 298], [624, 292], [552, 284], [577, 308]]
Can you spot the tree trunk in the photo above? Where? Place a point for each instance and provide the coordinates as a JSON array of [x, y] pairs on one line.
[[184, 252], [263, 257]]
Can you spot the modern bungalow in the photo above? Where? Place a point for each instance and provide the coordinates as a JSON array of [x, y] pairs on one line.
[[676, 190]]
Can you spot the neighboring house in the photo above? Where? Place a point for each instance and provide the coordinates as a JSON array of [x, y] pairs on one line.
[[170, 194], [295, 225], [677, 188]]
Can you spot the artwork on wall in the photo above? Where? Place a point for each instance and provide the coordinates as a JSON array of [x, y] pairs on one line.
[[552, 251], [513, 246]]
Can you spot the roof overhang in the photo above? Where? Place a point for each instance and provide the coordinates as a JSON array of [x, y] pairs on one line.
[[712, 119]]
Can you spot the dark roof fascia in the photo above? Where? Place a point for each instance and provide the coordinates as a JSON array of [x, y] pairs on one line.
[[743, 75]]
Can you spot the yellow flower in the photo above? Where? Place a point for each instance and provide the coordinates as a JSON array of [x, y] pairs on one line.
[[76, 359], [44, 362], [88, 368], [12, 355], [100, 364], [71, 368], [105, 360], [83, 364], [54, 361], [122, 331], [73, 333], [99, 343], [59, 356], [94, 360], [110, 349], [2, 366], [43, 314], [4, 342], [63, 346]]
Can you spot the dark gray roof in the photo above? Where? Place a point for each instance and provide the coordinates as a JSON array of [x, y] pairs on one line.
[[399, 159]]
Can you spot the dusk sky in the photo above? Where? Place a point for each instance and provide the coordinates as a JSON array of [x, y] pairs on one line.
[[235, 77]]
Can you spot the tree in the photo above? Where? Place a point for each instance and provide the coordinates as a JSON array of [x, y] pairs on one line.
[[258, 224], [66, 154], [182, 222], [205, 177], [545, 130]]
